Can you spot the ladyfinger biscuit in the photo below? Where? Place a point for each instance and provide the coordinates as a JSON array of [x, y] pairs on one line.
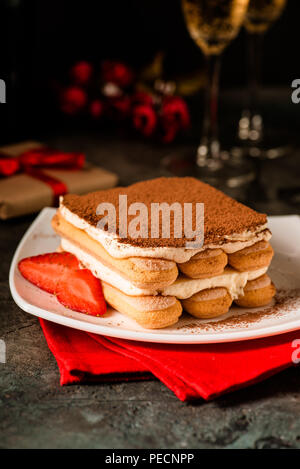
[[258, 292], [208, 303], [151, 312], [253, 257], [142, 272], [205, 264]]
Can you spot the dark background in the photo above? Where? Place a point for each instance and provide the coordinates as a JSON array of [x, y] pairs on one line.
[[39, 42], [40, 39]]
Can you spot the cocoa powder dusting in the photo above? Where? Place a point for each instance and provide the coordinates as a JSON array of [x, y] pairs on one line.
[[222, 215]]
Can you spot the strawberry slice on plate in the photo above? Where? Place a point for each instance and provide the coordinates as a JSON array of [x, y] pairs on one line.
[[59, 273], [46, 270], [80, 291]]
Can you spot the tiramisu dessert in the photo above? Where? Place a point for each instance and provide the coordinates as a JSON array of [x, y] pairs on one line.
[[152, 279]]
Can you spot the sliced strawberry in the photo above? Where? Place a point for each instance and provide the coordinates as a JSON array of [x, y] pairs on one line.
[[80, 291], [46, 270]]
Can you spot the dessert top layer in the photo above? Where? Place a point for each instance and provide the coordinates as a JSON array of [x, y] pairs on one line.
[[223, 216]]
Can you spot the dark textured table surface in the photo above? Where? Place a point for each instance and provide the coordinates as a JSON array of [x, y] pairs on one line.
[[35, 412]]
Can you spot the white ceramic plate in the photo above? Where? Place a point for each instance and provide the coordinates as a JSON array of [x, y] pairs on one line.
[[239, 324]]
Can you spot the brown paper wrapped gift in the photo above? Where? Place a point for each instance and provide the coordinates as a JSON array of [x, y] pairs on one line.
[[22, 194]]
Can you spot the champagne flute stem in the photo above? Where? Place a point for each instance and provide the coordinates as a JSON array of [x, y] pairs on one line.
[[254, 73], [209, 149]]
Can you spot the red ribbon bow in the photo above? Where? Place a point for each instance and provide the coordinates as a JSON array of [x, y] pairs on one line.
[[33, 162]]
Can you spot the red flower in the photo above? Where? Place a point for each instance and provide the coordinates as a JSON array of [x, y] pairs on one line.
[[174, 117], [117, 73], [73, 100], [81, 72], [144, 119], [175, 108], [96, 108]]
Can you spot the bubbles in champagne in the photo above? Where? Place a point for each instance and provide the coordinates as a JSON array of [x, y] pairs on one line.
[[214, 23]]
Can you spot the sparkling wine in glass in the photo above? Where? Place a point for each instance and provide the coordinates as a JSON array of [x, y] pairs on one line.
[[212, 24], [262, 13]]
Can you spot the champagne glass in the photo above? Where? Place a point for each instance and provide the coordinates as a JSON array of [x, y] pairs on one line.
[[212, 24], [260, 16]]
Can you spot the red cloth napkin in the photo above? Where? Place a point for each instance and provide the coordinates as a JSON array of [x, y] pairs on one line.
[[190, 371]]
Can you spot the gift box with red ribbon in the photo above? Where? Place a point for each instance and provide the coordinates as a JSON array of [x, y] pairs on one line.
[[33, 176]]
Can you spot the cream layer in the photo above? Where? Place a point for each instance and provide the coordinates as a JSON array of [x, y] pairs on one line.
[[182, 288], [115, 248], [234, 281]]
